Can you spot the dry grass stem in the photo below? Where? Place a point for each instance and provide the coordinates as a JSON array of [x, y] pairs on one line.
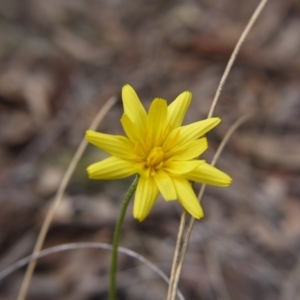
[[177, 250], [45, 227], [178, 259], [235, 52], [76, 246], [187, 235]]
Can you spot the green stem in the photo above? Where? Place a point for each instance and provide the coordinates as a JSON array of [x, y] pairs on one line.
[[117, 234]]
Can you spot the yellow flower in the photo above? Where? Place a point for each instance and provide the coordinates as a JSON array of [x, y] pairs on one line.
[[164, 153]]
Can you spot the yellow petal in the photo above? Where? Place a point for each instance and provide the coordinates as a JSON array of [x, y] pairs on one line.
[[133, 132], [208, 174], [157, 120], [111, 168], [177, 109], [190, 150], [181, 135], [133, 107], [114, 145], [165, 185], [181, 167], [145, 197], [187, 197]]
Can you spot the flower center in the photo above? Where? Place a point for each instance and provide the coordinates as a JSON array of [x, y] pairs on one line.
[[155, 158]]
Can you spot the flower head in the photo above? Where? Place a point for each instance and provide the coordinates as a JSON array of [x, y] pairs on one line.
[[164, 153]]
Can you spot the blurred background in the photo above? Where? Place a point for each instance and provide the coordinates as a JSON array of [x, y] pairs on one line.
[[60, 61]]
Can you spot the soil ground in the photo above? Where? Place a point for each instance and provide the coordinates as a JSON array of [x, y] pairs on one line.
[[60, 61]]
